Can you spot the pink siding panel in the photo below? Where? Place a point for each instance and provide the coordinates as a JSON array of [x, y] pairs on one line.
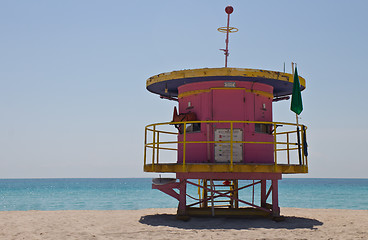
[[227, 104]]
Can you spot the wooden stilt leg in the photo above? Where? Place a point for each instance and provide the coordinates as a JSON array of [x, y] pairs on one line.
[[263, 192], [182, 197], [275, 198]]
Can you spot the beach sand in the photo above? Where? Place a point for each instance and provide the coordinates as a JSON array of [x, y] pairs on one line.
[[162, 224]]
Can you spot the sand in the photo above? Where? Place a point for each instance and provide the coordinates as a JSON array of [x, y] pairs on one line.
[[162, 224]]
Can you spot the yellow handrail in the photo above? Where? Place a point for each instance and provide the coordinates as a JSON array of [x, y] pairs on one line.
[[156, 145]]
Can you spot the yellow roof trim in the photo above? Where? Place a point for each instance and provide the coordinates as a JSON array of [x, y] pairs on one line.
[[208, 72]]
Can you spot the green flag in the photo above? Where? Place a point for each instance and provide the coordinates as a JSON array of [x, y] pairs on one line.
[[296, 97]]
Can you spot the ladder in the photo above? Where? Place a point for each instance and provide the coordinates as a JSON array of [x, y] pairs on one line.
[[214, 200]]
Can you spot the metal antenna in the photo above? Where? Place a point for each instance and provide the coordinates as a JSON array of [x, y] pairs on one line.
[[227, 30]]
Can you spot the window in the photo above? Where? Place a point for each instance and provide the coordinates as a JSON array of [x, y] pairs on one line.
[[193, 127], [263, 128]]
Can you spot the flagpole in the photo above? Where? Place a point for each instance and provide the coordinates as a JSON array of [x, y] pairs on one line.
[[296, 115], [297, 124]]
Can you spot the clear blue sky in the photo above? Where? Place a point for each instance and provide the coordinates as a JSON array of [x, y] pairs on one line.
[[73, 101]]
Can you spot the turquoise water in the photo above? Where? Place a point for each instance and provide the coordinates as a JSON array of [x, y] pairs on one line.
[[136, 193]]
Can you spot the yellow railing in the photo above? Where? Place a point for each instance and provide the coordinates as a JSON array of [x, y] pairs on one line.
[[282, 142]]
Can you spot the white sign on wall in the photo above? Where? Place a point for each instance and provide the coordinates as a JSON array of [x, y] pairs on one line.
[[222, 150]]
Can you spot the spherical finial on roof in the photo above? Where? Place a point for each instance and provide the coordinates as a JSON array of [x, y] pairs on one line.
[[229, 9]]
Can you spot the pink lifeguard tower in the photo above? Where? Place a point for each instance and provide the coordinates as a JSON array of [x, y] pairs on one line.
[[224, 139]]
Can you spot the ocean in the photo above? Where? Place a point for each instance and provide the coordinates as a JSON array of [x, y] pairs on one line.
[[136, 193]]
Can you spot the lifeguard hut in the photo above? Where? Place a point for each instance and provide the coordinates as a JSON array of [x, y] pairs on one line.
[[225, 141]]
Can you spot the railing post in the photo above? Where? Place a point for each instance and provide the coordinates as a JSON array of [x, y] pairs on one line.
[[158, 147], [275, 146], [305, 145], [231, 147], [306, 161], [302, 132], [288, 148], [299, 150], [208, 144], [153, 147], [184, 145], [145, 147]]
